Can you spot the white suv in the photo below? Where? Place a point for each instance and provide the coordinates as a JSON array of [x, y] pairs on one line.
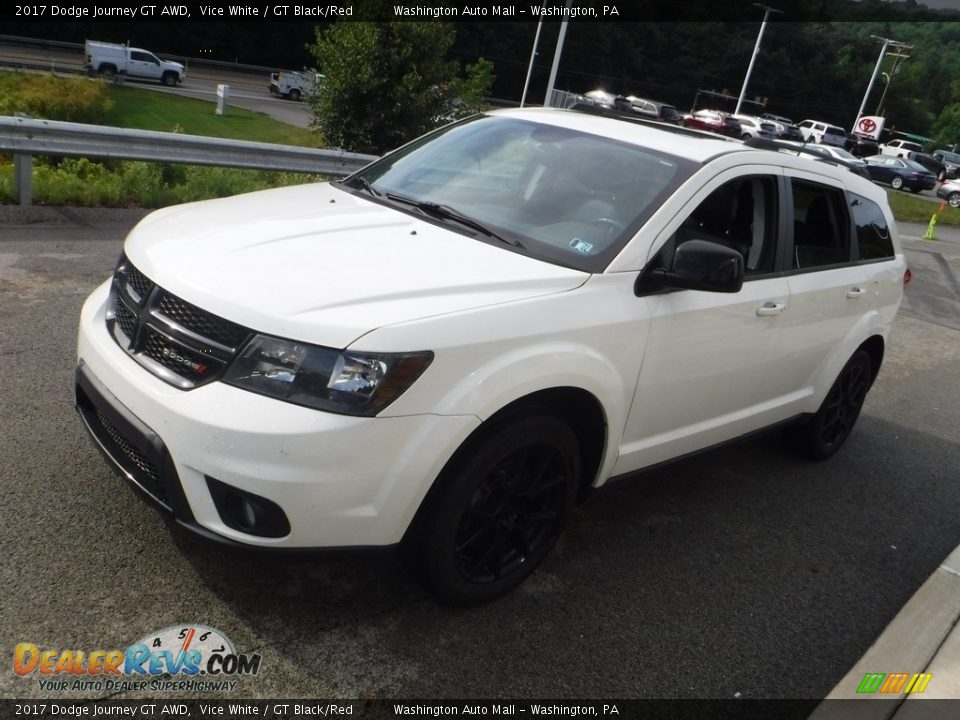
[[443, 350], [824, 133]]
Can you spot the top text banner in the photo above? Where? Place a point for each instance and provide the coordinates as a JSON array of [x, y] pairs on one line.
[[451, 10]]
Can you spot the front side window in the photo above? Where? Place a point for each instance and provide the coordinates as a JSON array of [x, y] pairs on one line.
[[873, 234], [740, 214], [561, 195], [821, 226]]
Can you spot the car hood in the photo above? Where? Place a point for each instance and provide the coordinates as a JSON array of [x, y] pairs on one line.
[[321, 265]]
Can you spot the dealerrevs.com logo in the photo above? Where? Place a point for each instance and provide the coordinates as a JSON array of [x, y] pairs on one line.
[[180, 657]]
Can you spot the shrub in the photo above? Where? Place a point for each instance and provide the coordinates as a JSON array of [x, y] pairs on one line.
[[86, 183], [54, 98]]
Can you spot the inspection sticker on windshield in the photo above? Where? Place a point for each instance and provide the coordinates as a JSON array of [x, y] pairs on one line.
[[581, 246]]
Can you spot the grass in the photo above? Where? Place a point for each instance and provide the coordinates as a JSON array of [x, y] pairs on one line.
[[152, 110], [913, 209]]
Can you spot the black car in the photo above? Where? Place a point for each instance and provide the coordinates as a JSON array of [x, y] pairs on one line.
[[900, 173], [930, 162], [951, 163], [860, 146]]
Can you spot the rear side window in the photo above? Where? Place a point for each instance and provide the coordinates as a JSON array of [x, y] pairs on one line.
[[873, 234], [821, 226]]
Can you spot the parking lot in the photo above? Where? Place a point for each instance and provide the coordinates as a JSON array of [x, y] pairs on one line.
[[742, 573]]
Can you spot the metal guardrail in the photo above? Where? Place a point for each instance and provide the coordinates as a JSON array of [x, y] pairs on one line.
[[27, 137]]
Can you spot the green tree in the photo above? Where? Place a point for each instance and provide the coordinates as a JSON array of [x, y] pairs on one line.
[[386, 83], [467, 93]]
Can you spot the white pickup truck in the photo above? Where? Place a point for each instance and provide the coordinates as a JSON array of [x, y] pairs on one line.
[[295, 85], [113, 59]]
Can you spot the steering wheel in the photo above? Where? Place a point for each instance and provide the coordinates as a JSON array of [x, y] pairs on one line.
[[614, 227]]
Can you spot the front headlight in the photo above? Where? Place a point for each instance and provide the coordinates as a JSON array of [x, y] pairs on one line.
[[350, 383]]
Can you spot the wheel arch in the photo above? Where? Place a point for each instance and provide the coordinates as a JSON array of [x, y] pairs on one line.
[[580, 409], [875, 347]]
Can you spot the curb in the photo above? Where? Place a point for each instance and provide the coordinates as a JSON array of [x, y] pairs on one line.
[[923, 637]]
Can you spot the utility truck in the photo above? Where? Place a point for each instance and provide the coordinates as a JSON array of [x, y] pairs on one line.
[[111, 59], [295, 85]]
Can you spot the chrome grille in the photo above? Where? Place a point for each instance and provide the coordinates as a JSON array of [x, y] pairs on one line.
[[177, 341]]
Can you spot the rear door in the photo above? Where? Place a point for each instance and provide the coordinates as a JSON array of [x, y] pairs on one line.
[[829, 290]]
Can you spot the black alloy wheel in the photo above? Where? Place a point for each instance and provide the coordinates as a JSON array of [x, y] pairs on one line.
[[824, 434], [498, 510]]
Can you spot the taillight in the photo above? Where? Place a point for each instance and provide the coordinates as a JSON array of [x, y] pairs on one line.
[[907, 277]]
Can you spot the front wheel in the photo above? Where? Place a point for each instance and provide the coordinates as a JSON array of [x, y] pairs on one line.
[[169, 79], [896, 183], [953, 199], [294, 95], [824, 434], [497, 511]]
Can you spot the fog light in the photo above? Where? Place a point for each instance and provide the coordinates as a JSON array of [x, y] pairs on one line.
[[246, 512]]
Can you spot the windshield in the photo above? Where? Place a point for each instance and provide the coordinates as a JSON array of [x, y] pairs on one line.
[[557, 194], [835, 131]]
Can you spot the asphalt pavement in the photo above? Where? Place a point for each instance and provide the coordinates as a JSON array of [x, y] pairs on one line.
[[745, 572]]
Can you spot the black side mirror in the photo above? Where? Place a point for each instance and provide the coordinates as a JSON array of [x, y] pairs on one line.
[[702, 265]]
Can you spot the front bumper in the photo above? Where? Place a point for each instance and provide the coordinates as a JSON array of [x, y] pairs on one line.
[[341, 481]]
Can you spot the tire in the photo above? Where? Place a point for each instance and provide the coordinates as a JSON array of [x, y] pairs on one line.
[[896, 183], [746, 136], [497, 510], [169, 79], [293, 94], [953, 199], [823, 434], [107, 70]]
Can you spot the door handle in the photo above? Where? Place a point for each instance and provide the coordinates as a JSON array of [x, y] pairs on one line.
[[771, 308], [855, 292]]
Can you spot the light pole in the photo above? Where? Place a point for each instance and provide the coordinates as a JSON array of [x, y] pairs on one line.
[[533, 55], [547, 102], [756, 50], [887, 42]]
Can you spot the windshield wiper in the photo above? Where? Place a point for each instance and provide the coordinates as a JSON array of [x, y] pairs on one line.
[[368, 186], [445, 212]]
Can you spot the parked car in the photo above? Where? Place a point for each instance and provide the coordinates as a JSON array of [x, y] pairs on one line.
[[654, 109], [786, 128], [899, 148], [602, 98], [949, 190], [440, 352], [900, 173], [929, 162], [752, 127], [860, 146], [823, 153], [714, 121], [951, 163], [816, 131]]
